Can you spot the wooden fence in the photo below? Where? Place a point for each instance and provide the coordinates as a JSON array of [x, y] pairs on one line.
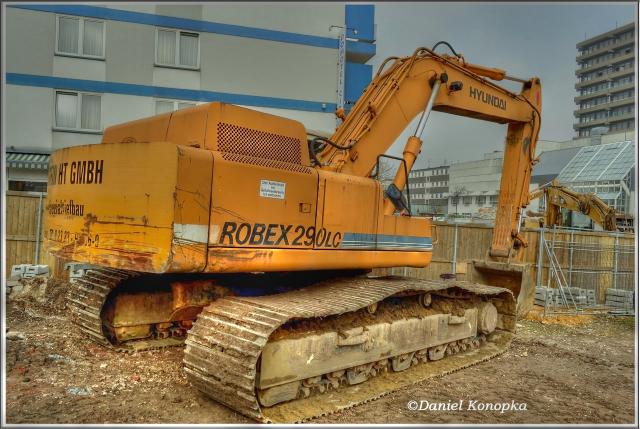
[[591, 260], [23, 223], [22, 220]]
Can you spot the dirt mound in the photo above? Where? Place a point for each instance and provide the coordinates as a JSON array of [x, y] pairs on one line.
[[559, 319], [44, 293]]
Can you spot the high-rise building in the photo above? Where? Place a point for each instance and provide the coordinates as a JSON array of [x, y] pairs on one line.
[[606, 82]]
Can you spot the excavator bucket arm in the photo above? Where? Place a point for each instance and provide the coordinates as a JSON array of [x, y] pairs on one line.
[[405, 87]]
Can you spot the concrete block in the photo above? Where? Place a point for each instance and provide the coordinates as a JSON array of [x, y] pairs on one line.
[[36, 270], [620, 292], [76, 269], [17, 271]]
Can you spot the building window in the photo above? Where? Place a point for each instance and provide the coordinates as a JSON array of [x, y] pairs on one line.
[[467, 200], [480, 200], [82, 37], [177, 49], [27, 186], [77, 111], [493, 200], [166, 106]]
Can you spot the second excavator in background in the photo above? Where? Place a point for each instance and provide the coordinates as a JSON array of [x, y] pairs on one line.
[[557, 197]]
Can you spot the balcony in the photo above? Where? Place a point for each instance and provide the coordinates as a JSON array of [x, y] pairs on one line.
[[605, 63], [605, 76], [592, 67], [631, 55], [605, 91], [580, 112], [604, 121], [608, 106], [612, 47], [593, 81], [620, 73], [628, 85], [580, 98], [619, 118], [601, 121], [621, 102]]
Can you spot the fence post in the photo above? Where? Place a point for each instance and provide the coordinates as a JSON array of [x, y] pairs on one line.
[[540, 257], [455, 250], [38, 228], [615, 263], [571, 259], [553, 249]]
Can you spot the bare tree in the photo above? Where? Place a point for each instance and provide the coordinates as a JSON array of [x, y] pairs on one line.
[[458, 191], [387, 170]]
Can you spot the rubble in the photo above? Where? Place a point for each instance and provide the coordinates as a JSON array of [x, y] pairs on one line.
[[54, 375], [80, 391], [13, 336]]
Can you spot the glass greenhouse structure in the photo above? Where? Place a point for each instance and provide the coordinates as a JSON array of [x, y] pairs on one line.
[[606, 170]]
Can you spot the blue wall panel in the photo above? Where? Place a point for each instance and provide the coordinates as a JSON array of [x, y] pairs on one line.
[[361, 18], [357, 77]]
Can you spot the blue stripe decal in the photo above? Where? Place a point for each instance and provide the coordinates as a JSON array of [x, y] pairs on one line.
[[165, 92], [383, 241], [183, 24]]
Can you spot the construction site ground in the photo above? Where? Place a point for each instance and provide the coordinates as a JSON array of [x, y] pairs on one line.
[[577, 370]]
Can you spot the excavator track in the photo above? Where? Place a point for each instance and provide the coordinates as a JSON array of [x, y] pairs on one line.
[[224, 347], [86, 299]]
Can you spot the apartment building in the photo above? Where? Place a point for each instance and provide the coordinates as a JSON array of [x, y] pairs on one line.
[[74, 69], [606, 82], [429, 189], [474, 185]]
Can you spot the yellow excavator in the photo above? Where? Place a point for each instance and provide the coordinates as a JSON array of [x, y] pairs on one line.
[[230, 231], [558, 196]]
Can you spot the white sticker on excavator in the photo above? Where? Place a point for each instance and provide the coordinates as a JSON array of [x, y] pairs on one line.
[[271, 189], [191, 232]]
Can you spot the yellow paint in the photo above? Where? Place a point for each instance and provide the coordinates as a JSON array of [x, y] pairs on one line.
[[220, 188]]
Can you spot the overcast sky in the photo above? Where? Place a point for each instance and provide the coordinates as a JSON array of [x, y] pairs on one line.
[[524, 39]]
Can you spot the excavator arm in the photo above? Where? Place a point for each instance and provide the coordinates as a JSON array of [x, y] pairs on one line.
[[558, 196], [405, 87]]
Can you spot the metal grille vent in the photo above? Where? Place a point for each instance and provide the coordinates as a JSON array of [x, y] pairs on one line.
[[266, 162], [258, 144]]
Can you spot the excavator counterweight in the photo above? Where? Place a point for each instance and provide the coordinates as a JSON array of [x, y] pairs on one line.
[[229, 231]]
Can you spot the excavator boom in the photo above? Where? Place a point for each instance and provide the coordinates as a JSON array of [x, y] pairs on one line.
[[403, 87]]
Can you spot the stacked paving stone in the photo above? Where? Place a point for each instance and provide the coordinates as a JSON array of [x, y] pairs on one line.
[[544, 295], [580, 296], [583, 297], [620, 301]]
